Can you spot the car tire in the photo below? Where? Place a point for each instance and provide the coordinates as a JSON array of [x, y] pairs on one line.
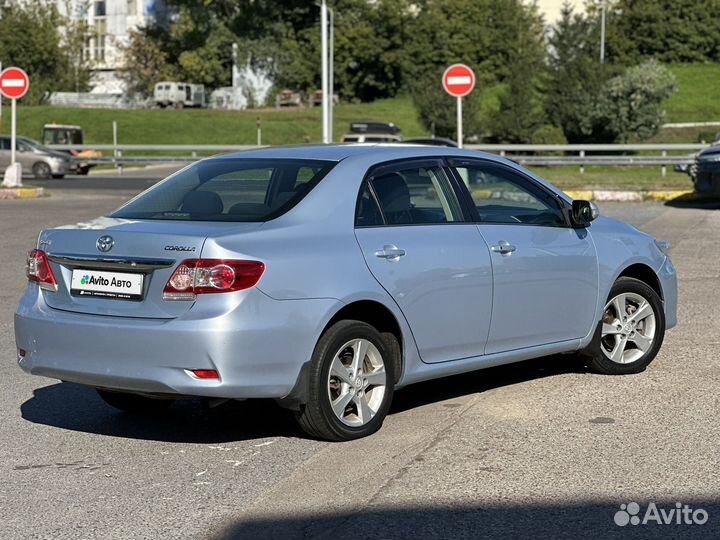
[[348, 399], [631, 331], [41, 170], [133, 403], [58, 176]]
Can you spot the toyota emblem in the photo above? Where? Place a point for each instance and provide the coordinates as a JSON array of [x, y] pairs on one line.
[[105, 243]]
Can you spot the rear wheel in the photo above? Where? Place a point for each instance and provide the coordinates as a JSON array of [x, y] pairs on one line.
[[350, 384], [133, 403], [41, 170], [632, 329]]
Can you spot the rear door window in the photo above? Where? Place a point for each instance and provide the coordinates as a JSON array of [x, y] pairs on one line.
[[408, 195], [229, 190]]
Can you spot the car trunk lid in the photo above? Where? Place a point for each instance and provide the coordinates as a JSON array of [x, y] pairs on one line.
[[141, 254]]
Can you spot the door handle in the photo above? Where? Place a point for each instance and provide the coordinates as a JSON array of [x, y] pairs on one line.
[[390, 252], [503, 248]]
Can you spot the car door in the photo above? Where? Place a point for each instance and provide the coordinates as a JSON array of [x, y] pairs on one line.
[[26, 156], [545, 272], [424, 251], [4, 153]]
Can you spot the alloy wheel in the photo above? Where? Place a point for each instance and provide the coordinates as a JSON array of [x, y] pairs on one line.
[[628, 328], [356, 382]]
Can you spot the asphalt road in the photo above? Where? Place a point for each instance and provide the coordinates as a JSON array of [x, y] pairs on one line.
[[541, 449]]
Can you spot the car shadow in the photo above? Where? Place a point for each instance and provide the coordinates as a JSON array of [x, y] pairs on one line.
[[78, 408], [564, 519], [704, 203]]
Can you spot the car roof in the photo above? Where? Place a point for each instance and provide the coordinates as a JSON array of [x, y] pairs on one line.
[[339, 152], [61, 126]]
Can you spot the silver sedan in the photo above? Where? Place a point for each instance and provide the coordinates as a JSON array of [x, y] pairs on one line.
[[327, 277]]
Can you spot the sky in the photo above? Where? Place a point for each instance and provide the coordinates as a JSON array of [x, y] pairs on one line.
[[551, 8]]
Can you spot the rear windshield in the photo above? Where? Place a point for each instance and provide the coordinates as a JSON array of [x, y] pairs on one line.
[[229, 190]]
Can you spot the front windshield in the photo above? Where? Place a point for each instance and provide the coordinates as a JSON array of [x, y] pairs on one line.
[[229, 190]]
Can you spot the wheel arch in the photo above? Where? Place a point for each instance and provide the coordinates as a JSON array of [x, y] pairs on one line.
[[372, 312], [644, 273], [381, 318]]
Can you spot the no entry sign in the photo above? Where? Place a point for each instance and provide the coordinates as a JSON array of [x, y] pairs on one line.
[[14, 83], [458, 80]]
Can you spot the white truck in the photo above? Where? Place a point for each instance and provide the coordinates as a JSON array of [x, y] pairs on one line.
[[179, 95]]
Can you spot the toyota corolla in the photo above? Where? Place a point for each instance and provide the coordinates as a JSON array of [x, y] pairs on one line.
[[327, 277]]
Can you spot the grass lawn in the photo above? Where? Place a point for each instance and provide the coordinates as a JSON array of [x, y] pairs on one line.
[[605, 177], [697, 98], [157, 126]]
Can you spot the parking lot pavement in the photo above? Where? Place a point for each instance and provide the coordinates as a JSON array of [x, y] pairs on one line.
[[541, 449]]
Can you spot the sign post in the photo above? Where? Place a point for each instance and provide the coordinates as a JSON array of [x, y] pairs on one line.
[[14, 84], [458, 81], [0, 102]]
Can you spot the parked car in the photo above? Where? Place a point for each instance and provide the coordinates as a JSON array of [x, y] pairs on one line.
[[372, 132], [66, 134], [288, 98], [318, 96], [326, 277], [179, 95], [34, 158], [705, 171]]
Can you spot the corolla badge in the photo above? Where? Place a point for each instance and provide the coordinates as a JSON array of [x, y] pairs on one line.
[[105, 243]]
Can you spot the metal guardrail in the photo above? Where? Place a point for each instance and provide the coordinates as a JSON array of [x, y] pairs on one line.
[[526, 154]]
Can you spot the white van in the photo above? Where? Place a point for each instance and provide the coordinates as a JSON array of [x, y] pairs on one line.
[[179, 95]]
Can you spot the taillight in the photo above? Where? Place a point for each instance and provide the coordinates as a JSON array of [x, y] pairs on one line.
[[206, 276], [37, 269]]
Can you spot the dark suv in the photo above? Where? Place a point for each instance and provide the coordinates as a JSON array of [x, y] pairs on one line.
[[705, 172]]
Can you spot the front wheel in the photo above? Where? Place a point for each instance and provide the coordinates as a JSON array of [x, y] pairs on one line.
[[351, 383], [133, 403], [41, 170], [632, 329]]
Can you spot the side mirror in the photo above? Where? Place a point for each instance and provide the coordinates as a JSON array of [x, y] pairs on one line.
[[584, 212]]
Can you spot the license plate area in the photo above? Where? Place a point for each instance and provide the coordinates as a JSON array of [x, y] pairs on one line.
[[103, 284]]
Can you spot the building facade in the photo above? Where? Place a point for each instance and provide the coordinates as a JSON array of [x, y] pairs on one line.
[[111, 22]]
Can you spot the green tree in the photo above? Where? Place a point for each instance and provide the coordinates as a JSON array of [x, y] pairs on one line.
[[30, 38], [498, 39], [145, 64], [521, 110], [631, 104], [668, 30], [576, 78]]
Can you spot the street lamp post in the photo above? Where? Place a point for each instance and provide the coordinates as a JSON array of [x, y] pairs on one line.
[[331, 75], [603, 10], [324, 67]]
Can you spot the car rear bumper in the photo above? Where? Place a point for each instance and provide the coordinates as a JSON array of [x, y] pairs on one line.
[[258, 346]]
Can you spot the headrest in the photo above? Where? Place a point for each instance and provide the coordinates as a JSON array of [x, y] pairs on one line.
[[202, 202], [393, 193]]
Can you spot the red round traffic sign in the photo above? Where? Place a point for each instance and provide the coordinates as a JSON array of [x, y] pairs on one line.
[[458, 80], [14, 83]]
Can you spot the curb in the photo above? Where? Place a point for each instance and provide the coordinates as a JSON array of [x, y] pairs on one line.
[[22, 193], [631, 196], [603, 195]]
